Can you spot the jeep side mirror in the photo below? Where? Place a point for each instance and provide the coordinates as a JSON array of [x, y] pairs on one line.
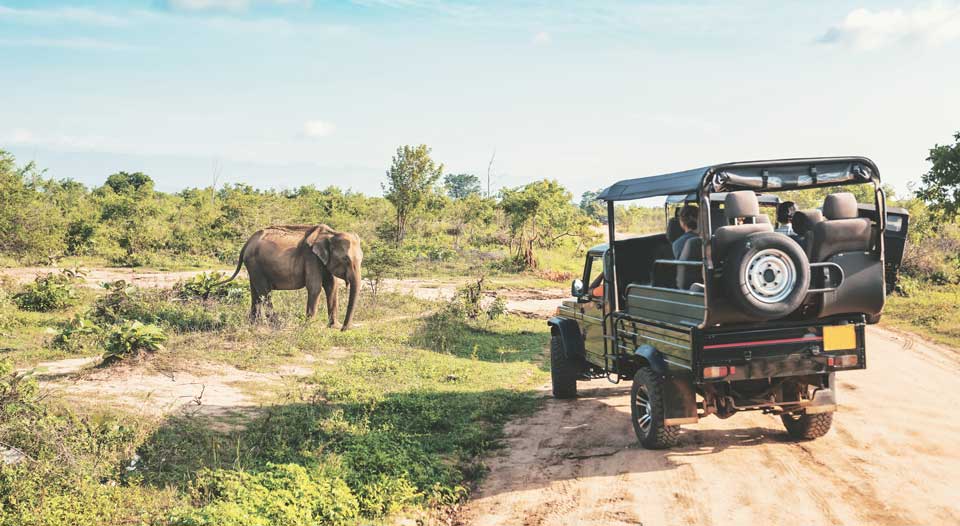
[[576, 288]]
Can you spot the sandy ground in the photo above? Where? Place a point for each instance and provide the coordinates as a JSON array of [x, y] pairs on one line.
[[205, 389], [891, 458], [95, 276]]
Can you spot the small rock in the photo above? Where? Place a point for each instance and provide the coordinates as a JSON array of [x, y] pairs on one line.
[[11, 456]]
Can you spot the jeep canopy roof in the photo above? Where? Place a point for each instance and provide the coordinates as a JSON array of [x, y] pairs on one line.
[[779, 174]]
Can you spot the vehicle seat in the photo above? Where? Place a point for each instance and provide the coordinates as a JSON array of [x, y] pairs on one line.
[[674, 230], [803, 223], [841, 231], [688, 275], [736, 205]]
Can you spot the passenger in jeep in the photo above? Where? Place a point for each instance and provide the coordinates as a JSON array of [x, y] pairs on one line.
[[785, 212], [688, 222]]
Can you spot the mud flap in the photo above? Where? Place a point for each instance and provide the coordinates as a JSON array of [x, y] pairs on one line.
[[570, 337], [824, 400], [679, 396], [680, 400]]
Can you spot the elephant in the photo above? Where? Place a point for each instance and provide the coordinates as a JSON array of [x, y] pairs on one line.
[[290, 257]]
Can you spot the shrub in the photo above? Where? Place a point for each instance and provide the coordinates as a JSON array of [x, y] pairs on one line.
[[77, 334], [48, 292], [69, 467], [383, 261], [162, 307], [133, 339], [207, 286], [287, 494], [116, 305], [497, 308]]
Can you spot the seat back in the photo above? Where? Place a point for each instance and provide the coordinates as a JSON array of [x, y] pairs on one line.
[[688, 275], [841, 231], [738, 205], [803, 223]]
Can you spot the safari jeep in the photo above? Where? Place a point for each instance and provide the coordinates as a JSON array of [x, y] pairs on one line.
[[747, 317]]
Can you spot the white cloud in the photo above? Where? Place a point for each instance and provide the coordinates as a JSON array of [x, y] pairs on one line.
[[541, 38], [234, 6], [64, 43], [62, 14], [862, 28], [318, 128]]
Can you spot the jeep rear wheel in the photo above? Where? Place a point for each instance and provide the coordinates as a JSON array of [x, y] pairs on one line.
[[805, 426], [646, 408], [563, 371]]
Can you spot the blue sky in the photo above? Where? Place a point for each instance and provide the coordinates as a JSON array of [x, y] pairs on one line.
[[279, 93]]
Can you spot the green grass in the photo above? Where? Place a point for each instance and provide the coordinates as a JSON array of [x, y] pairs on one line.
[[396, 423], [929, 310]]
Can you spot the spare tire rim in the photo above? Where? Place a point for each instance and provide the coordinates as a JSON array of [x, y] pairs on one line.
[[770, 275]]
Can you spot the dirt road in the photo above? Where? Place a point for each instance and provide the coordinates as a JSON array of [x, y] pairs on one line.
[[891, 458]]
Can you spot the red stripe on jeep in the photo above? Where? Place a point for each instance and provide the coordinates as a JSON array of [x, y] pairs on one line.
[[762, 342]]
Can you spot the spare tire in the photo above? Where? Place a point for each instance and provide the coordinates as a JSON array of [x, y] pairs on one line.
[[766, 275]]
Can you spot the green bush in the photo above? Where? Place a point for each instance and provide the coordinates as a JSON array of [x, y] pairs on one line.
[[48, 292], [133, 339], [206, 286], [70, 468], [287, 494], [115, 305], [166, 308], [77, 334]]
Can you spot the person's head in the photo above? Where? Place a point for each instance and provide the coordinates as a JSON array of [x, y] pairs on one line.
[[689, 215], [785, 211]]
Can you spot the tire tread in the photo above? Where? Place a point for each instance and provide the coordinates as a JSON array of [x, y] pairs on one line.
[[663, 436], [563, 371], [808, 426]]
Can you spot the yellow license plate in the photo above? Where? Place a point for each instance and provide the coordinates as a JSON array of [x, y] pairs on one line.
[[839, 338]]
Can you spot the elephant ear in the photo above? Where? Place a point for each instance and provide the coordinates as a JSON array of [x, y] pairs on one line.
[[322, 249]]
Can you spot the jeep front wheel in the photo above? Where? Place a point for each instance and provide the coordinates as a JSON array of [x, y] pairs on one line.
[[646, 408], [805, 426], [563, 370]]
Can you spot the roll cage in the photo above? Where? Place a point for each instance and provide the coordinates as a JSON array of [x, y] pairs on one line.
[[766, 175]]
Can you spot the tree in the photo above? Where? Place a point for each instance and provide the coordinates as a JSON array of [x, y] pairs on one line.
[[540, 213], [592, 207], [410, 179], [30, 223], [459, 186], [123, 182], [940, 187]]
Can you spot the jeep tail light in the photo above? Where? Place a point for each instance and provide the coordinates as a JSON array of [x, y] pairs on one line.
[[847, 360], [718, 372]]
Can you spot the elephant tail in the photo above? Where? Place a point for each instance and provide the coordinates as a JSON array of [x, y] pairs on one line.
[[239, 266]]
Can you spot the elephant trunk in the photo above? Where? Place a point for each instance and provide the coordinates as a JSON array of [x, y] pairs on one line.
[[354, 283]]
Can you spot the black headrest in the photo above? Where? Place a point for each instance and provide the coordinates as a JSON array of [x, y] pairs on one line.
[[840, 206], [740, 204], [803, 220]]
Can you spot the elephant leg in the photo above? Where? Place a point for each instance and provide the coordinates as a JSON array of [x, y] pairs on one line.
[[260, 304], [313, 299], [254, 303], [330, 289]]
